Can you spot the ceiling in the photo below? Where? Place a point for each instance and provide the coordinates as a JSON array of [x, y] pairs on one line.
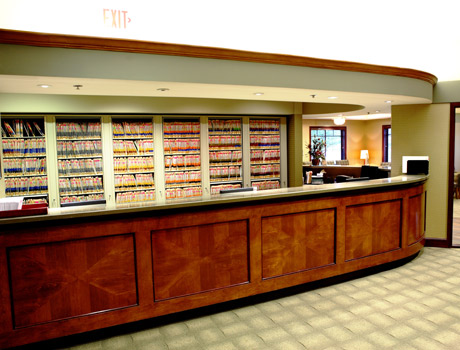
[[420, 34], [362, 105]]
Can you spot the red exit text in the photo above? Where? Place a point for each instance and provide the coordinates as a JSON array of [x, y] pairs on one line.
[[116, 18]]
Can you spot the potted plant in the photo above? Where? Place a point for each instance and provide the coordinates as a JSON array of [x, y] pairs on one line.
[[316, 150]]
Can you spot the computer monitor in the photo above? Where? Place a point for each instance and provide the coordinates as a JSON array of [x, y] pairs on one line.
[[416, 167], [369, 171], [406, 158]]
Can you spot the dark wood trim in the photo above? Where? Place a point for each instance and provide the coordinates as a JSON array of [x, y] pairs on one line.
[[157, 48], [437, 242], [384, 127], [450, 194]]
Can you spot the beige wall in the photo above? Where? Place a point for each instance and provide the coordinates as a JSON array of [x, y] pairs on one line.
[[419, 130], [373, 139], [360, 135], [294, 147]]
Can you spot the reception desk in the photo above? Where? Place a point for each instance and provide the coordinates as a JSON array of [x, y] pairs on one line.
[[332, 171], [80, 269]]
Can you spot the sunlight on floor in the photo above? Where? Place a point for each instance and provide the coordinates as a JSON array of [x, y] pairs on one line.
[[456, 223]]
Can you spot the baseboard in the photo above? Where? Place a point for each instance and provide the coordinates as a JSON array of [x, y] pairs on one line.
[[437, 242]]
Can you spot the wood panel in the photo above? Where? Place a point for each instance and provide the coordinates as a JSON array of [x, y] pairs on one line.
[[181, 259], [196, 259], [416, 219], [56, 281], [145, 47], [372, 229], [297, 242]]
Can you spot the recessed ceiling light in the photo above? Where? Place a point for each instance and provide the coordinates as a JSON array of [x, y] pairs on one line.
[[258, 93], [388, 101], [44, 86], [163, 89], [332, 97], [377, 111]]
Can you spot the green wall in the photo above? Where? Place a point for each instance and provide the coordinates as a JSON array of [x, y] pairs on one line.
[[446, 91], [77, 63], [44, 103], [423, 130]]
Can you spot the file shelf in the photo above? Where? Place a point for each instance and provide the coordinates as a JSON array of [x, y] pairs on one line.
[[24, 158], [225, 154], [121, 160], [265, 148], [133, 150], [79, 157], [182, 158]]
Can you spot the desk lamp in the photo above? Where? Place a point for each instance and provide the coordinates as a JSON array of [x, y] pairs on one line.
[[365, 156]]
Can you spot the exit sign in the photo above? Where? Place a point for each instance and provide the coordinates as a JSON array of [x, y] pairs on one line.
[[116, 18]]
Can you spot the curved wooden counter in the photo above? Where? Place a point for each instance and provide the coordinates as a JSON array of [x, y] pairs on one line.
[[66, 273]]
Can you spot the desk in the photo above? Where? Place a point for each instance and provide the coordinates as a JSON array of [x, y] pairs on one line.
[[74, 271], [333, 170]]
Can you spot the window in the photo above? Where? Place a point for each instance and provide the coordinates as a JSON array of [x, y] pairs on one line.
[[335, 138], [386, 142]]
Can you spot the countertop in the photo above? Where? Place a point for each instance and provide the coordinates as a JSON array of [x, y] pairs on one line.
[[229, 198]]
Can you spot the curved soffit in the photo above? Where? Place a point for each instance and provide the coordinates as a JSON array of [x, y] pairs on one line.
[[301, 77], [136, 46], [329, 108]]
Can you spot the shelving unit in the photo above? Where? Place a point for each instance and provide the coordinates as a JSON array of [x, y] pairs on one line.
[[265, 148], [133, 150], [124, 159], [182, 158], [225, 154], [24, 159], [79, 157]]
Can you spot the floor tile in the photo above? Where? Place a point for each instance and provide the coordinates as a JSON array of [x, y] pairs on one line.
[[412, 307]]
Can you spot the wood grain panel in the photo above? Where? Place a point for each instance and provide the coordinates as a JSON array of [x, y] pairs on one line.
[[197, 253], [297, 242], [416, 219], [61, 280], [196, 259], [157, 48], [372, 229]]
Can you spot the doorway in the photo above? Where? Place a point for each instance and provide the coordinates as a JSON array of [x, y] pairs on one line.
[[453, 234]]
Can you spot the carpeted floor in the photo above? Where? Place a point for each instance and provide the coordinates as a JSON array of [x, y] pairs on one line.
[[413, 306]]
